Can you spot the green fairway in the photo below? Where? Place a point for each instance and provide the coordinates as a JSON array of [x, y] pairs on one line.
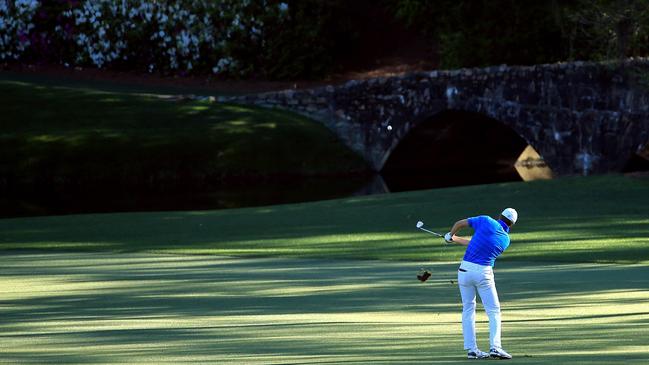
[[143, 308], [594, 219], [330, 282]]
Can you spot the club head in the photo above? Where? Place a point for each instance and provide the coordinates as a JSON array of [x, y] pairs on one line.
[[420, 224]]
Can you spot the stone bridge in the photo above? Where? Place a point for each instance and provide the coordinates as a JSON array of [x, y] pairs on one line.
[[581, 117]]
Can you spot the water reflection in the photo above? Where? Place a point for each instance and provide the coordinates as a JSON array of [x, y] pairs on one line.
[[106, 199], [531, 166]]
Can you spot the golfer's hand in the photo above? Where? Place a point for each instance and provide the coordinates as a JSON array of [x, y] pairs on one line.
[[448, 237]]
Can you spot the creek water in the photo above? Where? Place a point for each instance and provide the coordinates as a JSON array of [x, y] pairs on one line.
[[106, 200]]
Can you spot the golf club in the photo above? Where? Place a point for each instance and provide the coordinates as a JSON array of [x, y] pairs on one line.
[[420, 225]]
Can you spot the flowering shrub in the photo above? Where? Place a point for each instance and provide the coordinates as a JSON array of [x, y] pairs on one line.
[[96, 40], [267, 38], [172, 35], [15, 25]]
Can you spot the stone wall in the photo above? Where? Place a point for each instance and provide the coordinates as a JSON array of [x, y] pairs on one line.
[[583, 118]]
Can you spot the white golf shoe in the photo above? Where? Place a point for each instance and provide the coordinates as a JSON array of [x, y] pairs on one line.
[[498, 353], [477, 354]]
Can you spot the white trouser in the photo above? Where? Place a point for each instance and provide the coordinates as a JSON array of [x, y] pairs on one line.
[[480, 278]]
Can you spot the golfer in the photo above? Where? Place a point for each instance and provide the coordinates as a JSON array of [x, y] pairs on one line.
[[490, 239]]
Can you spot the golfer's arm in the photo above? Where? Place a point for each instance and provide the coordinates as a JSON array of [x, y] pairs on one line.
[[456, 228]]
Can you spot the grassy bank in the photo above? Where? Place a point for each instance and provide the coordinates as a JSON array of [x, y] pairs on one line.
[[71, 137], [594, 219]]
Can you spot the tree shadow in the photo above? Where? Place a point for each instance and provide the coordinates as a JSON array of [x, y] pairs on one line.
[[100, 308], [560, 221]]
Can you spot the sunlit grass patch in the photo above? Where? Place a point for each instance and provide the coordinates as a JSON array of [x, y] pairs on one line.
[[559, 221], [139, 308]]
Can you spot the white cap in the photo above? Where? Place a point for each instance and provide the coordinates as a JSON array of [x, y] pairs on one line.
[[511, 214]]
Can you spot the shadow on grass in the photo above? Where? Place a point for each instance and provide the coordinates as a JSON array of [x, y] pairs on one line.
[[135, 308], [81, 142], [574, 229]]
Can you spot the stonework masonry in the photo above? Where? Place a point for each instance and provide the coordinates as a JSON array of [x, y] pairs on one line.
[[582, 117]]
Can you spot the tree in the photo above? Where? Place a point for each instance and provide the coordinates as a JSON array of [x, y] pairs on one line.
[[486, 32], [609, 29]]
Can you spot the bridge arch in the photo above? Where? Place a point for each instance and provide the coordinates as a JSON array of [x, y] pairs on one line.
[[456, 147]]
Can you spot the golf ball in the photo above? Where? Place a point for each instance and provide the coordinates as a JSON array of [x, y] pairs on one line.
[[389, 127]]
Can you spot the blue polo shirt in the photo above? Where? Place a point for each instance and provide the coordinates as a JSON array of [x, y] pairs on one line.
[[490, 239]]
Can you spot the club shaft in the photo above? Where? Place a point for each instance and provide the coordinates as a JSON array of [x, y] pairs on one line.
[[431, 232]]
